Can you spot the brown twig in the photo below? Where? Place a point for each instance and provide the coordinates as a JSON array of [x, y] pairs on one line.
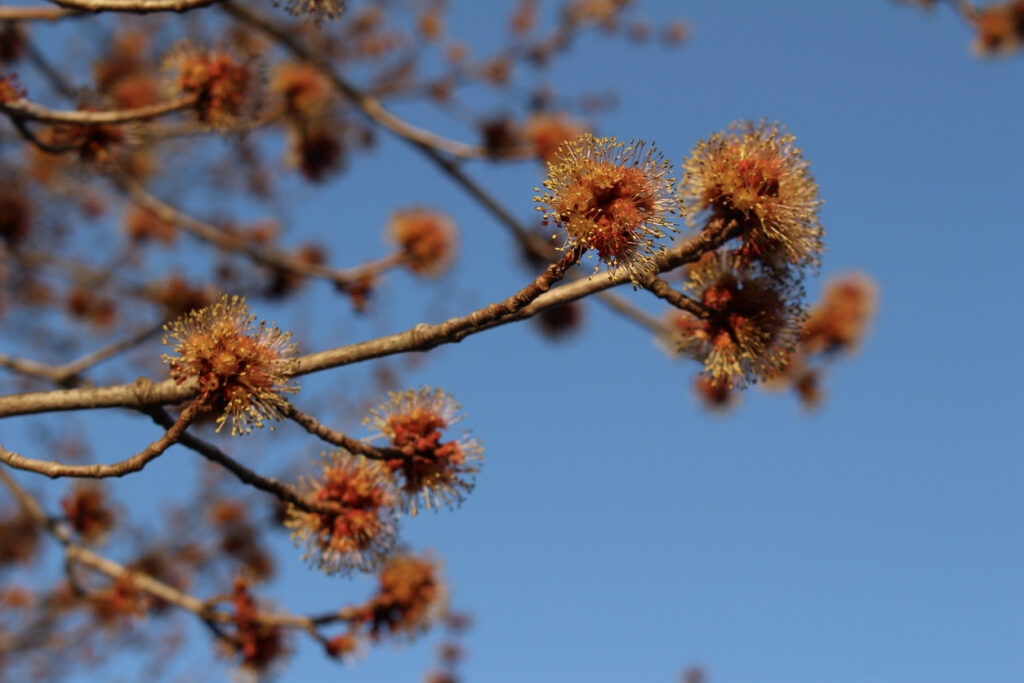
[[282, 491], [37, 13], [526, 303], [227, 241], [134, 6], [336, 438], [369, 105], [135, 463], [664, 290], [30, 111]]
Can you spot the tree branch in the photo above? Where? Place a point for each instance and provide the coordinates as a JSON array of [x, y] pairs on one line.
[[135, 463], [30, 111]]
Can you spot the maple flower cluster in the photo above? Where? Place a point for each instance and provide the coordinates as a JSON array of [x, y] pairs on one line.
[[226, 88], [750, 184], [241, 366], [612, 197], [430, 471], [361, 533], [422, 469]]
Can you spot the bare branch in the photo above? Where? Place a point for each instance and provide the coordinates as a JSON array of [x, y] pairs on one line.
[[266, 257], [37, 13], [369, 105], [135, 463], [664, 290], [243, 473], [30, 111], [133, 6]]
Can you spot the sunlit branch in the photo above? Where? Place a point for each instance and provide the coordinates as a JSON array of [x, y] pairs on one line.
[[37, 13], [134, 6], [524, 304], [30, 111], [664, 290]]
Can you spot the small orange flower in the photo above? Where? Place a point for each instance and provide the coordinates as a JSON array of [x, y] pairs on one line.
[[141, 225], [19, 538], [225, 87], [715, 395], [410, 599], [242, 367], [547, 132], [841, 319], [753, 322], [361, 534], [1000, 29], [432, 471], [306, 91], [318, 10], [316, 148], [427, 238], [10, 91], [612, 197], [260, 644], [755, 175]]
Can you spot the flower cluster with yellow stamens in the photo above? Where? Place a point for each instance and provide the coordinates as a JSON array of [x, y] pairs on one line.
[[430, 471], [360, 534], [752, 321], [241, 366], [226, 88], [753, 175], [613, 197]]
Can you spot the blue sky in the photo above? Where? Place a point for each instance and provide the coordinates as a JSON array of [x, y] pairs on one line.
[[617, 531]]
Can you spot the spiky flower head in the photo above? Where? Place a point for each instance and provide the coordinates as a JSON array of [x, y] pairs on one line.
[[242, 367], [361, 533], [430, 471], [753, 321], [612, 197], [317, 10], [412, 596], [753, 174], [226, 87]]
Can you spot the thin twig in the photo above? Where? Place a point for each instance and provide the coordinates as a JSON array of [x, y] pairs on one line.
[[55, 470], [30, 111], [369, 105]]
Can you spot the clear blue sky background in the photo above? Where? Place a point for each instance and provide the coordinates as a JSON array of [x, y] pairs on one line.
[[619, 533]]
